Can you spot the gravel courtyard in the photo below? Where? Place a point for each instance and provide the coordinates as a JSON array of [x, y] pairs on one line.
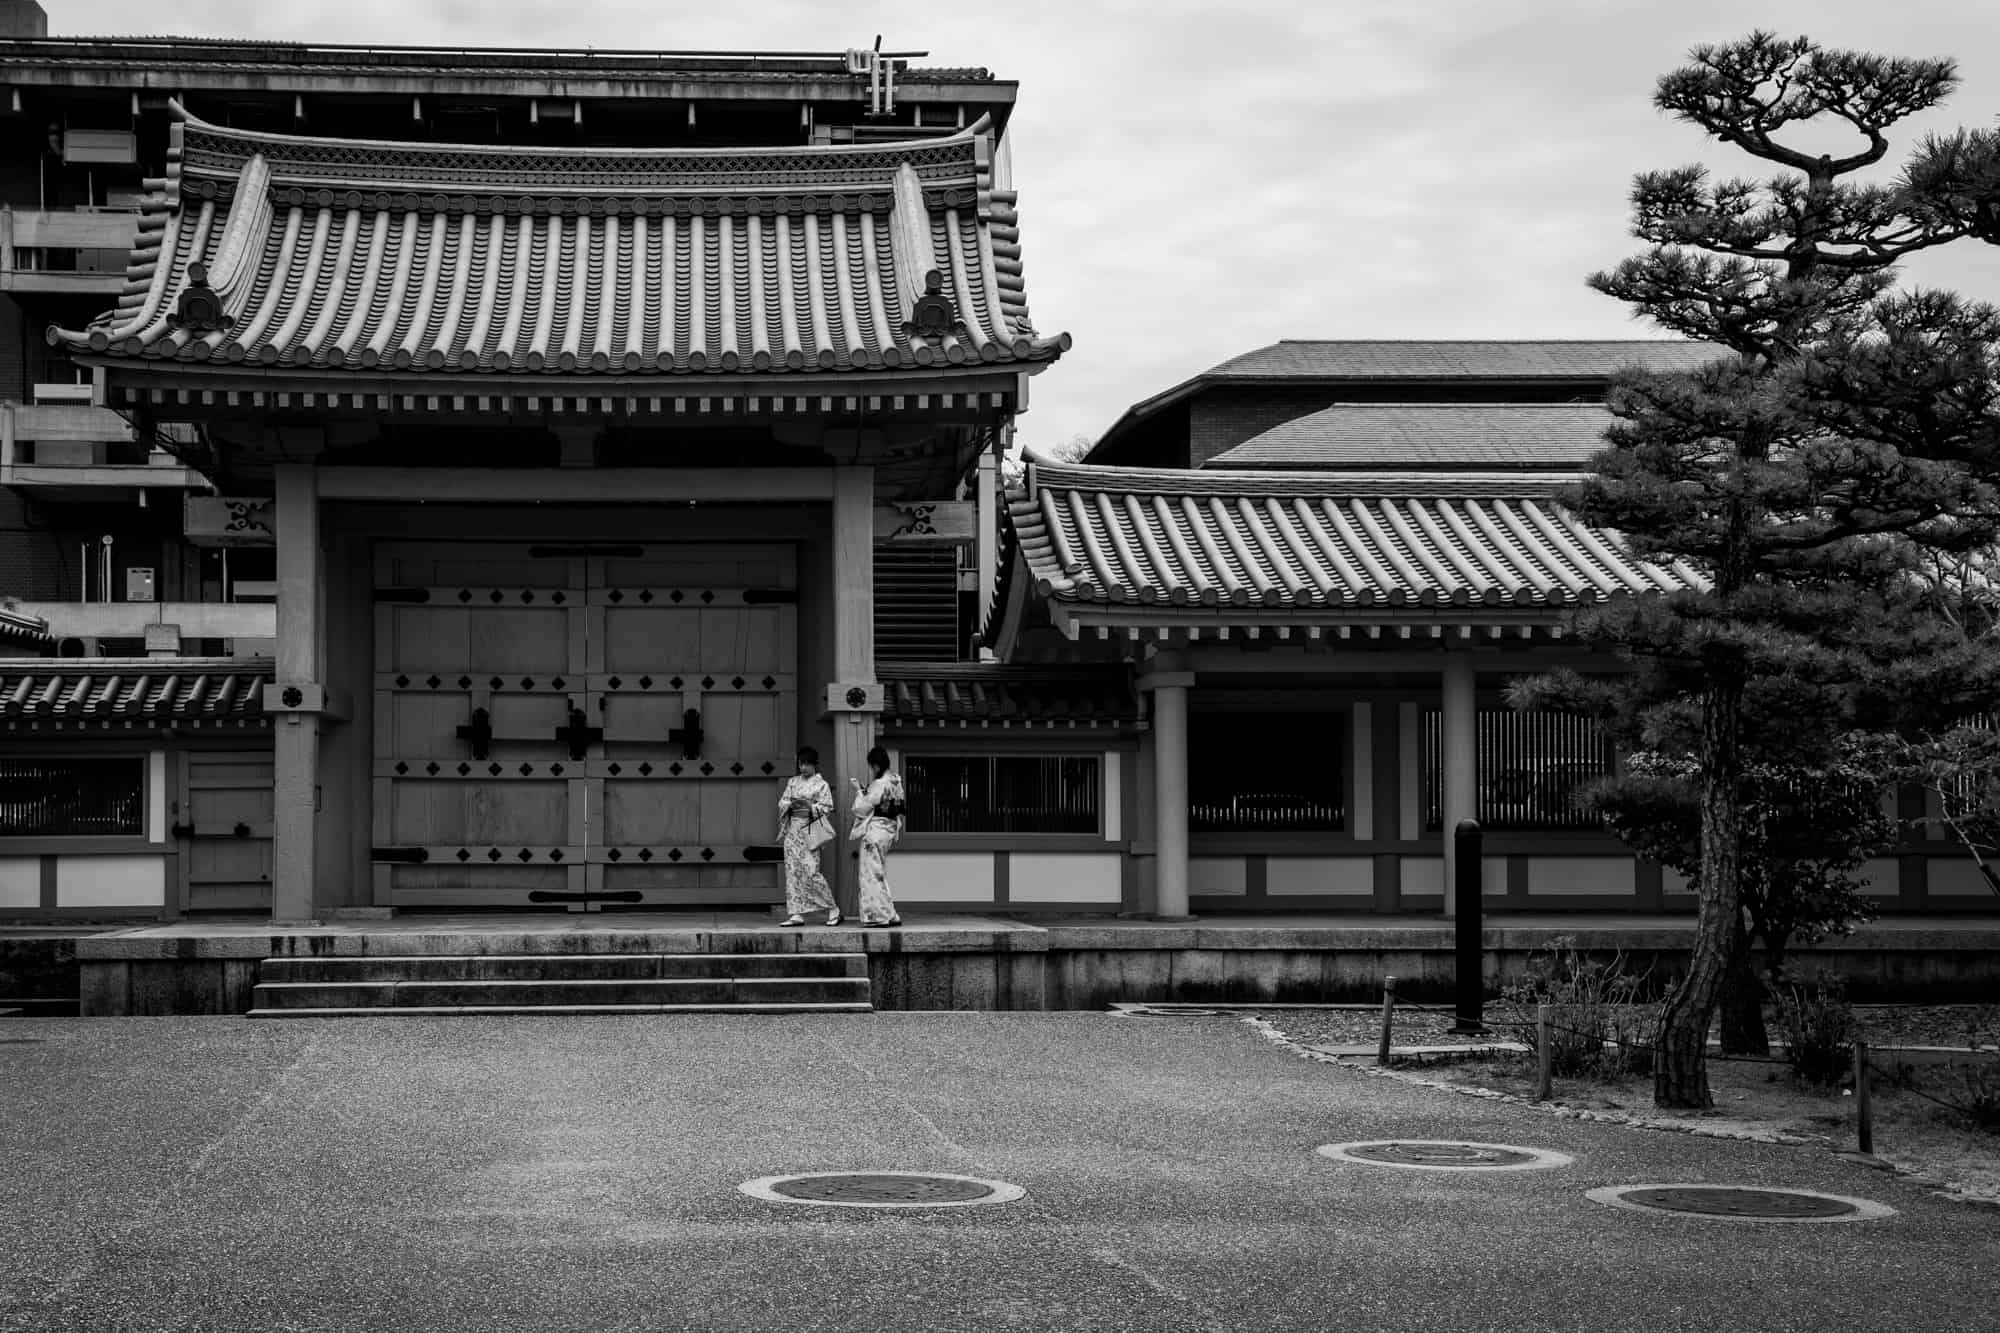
[[553, 1173]]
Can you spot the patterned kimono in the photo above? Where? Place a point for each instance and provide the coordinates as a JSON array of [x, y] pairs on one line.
[[875, 835], [805, 887]]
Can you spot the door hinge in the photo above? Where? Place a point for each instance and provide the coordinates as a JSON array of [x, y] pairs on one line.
[[402, 855], [402, 594]]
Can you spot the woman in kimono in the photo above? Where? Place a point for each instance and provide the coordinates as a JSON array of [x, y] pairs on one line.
[[804, 826], [878, 822]]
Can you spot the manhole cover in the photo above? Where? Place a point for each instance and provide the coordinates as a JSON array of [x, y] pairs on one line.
[[1445, 1155], [1741, 1203], [881, 1189]]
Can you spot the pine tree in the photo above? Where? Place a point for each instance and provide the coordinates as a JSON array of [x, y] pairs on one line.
[[1808, 538]]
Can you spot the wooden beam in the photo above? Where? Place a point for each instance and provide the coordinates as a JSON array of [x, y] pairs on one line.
[[578, 485]]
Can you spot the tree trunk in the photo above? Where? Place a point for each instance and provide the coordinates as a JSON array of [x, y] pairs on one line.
[[1743, 1031], [1680, 1071]]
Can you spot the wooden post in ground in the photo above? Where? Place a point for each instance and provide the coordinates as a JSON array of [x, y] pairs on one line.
[[1388, 1017], [1544, 1074], [1864, 1109]]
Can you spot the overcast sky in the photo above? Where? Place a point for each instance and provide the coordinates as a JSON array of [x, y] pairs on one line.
[[1198, 179]]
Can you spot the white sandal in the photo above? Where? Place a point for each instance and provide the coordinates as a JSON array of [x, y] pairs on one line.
[[833, 916], [793, 920]]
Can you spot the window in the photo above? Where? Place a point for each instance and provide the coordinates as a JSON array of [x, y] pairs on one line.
[[1530, 768], [68, 798], [1003, 793], [1267, 773]]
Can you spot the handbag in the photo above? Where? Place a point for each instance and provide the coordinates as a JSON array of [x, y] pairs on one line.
[[819, 833]]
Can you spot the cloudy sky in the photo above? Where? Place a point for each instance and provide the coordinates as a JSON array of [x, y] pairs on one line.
[[1198, 179]]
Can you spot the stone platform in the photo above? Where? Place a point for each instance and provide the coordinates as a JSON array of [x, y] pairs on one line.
[[975, 962]]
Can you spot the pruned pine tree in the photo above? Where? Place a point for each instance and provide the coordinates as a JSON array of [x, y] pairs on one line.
[[1806, 537]]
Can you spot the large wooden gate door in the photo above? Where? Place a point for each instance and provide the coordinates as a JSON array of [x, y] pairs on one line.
[[571, 726], [693, 665]]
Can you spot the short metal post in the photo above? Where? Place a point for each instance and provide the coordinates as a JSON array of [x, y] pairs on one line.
[[1466, 892], [1864, 1108], [1388, 1016], [1544, 1076]]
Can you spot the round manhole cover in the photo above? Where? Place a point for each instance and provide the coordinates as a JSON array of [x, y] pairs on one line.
[[881, 1189], [1741, 1203], [1445, 1155]]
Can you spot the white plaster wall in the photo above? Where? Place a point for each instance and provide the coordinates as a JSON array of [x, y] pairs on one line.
[[20, 881], [1608, 875], [1951, 876], [156, 794], [1425, 874], [1222, 876], [1114, 795], [1065, 877], [1882, 878], [942, 877], [1354, 875], [111, 881]]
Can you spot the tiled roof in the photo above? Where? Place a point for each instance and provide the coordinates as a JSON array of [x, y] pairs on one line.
[[22, 628], [971, 694], [410, 258], [105, 691], [1477, 436], [1306, 543], [1314, 359]]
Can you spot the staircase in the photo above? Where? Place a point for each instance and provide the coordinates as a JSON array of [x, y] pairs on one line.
[[571, 983]]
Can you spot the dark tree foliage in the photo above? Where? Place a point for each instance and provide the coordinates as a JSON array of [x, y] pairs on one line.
[[1808, 537]]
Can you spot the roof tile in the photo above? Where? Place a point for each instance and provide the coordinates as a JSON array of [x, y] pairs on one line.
[[157, 690], [1460, 436], [1314, 359], [447, 258], [985, 694], [1306, 542]]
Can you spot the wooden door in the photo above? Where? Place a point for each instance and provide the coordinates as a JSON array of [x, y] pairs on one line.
[[479, 655], [637, 709], [224, 832], [693, 664]]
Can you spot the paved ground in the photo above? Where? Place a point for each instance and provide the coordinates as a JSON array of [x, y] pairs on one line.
[[574, 1174]]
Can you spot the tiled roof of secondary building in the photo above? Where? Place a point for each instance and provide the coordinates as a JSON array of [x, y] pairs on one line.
[[413, 258], [1460, 436], [19, 627], [1299, 543], [133, 692], [977, 694], [1300, 358]]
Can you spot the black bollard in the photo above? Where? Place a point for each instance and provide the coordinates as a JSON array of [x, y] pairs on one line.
[[1470, 984]]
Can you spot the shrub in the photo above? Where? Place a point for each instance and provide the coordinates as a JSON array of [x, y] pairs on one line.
[[1819, 1028], [1973, 1088], [1597, 1030]]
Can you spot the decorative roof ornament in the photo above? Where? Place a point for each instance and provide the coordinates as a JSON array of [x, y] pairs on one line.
[[200, 309], [932, 315]]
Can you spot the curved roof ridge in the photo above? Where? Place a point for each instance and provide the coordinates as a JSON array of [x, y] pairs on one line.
[[1261, 482], [889, 149]]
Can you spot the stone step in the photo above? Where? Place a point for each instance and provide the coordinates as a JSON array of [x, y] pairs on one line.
[[561, 1010], [428, 994], [564, 967]]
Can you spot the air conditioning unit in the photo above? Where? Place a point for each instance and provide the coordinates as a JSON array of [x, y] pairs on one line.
[[71, 646]]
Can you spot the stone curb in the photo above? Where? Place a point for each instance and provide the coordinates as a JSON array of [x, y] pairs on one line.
[[1939, 1187]]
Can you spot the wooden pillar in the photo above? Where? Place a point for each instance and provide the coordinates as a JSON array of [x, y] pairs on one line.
[[854, 697], [1458, 759], [989, 529], [296, 696], [1170, 791]]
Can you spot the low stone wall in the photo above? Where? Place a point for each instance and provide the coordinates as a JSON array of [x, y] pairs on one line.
[[992, 964]]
